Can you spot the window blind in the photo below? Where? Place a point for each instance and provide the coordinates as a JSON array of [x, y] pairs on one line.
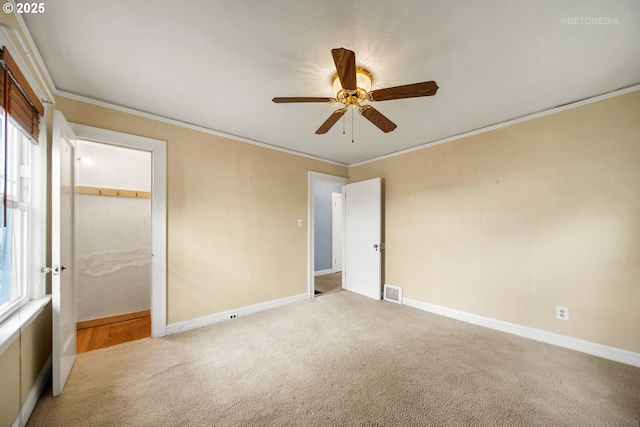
[[17, 98], [20, 102]]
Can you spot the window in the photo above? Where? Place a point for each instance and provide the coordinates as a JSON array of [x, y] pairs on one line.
[[15, 262], [22, 184]]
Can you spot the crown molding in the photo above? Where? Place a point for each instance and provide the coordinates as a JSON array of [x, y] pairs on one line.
[[44, 87], [191, 126], [506, 123]]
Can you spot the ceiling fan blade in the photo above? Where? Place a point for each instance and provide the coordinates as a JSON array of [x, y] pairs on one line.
[[346, 66], [301, 99], [377, 118], [328, 124], [406, 91]]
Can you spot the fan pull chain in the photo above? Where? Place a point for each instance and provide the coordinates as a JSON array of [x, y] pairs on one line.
[[352, 125], [343, 120]]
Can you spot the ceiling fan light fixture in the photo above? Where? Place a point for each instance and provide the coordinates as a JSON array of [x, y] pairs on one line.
[[363, 82], [357, 89]]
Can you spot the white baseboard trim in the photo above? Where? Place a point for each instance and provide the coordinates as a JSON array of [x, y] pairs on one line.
[[322, 272], [583, 346], [210, 319], [34, 395]]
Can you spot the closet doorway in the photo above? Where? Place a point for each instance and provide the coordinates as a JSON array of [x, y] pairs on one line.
[[113, 245]]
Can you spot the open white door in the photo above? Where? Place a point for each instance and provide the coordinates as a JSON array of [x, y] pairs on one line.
[[363, 229], [63, 183]]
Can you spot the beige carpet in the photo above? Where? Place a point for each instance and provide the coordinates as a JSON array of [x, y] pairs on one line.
[[343, 360], [328, 283]]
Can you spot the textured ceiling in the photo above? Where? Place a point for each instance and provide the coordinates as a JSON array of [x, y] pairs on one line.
[[218, 64]]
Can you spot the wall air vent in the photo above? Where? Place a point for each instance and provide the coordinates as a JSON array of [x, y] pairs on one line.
[[393, 293]]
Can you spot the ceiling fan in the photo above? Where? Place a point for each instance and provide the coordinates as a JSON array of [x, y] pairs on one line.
[[352, 87]]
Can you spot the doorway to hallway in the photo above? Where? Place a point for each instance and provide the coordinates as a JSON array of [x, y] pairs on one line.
[[328, 232], [326, 215]]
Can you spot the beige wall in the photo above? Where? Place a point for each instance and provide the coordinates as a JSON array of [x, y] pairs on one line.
[[512, 222], [233, 207], [10, 384], [36, 349], [506, 224], [27, 355]]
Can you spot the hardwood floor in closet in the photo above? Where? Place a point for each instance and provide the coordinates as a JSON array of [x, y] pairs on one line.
[[95, 337]]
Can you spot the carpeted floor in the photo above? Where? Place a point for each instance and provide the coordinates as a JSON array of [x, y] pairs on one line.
[[328, 283], [343, 360]]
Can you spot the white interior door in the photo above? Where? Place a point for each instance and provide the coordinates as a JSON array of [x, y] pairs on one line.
[[363, 229], [337, 232], [62, 255]]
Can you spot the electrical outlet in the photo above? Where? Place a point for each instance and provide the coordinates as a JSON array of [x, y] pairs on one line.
[[233, 316], [562, 313]]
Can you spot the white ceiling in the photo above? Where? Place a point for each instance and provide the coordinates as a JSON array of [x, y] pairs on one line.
[[218, 64]]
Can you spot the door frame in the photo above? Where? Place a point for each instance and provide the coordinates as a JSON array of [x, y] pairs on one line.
[[337, 229], [158, 149], [313, 178]]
